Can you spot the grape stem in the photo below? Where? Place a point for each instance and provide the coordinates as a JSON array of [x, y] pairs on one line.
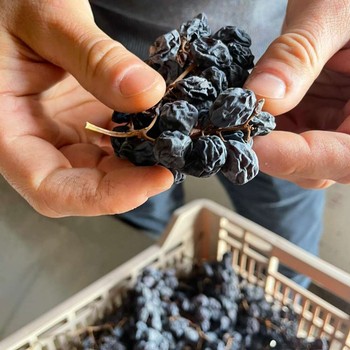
[[229, 343], [181, 76], [142, 133], [202, 335], [93, 329], [246, 127], [209, 130]]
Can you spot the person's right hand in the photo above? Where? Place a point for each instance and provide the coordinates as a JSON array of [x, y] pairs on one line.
[[58, 70]]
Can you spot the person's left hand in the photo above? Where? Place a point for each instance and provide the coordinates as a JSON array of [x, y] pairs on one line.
[[313, 150], [312, 144]]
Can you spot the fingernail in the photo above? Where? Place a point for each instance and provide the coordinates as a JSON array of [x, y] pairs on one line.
[[267, 85], [136, 80]]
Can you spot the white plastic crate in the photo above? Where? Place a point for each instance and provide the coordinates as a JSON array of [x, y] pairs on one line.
[[197, 231]]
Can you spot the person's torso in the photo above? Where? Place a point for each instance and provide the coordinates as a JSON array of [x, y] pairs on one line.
[[261, 19]]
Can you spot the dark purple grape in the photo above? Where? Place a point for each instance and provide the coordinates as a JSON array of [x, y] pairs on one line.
[[252, 293], [200, 300], [164, 56], [193, 89], [211, 337], [252, 325], [205, 325], [236, 76], [179, 115], [121, 118], [195, 28], [230, 34], [110, 343], [141, 120], [225, 323], [237, 135], [191, 335], [241, 164], [203, 114], [262, 124], [165, 48], [178, 325], [202, 313], [206, 157], [241, 55], [217, 77], [171, 148], [89, 342], [137, 151], [208, 52], [233, 107], [203, 120], [118, 141], [169, 70]]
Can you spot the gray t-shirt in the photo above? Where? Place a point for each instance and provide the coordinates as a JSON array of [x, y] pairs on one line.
[[137, 23]]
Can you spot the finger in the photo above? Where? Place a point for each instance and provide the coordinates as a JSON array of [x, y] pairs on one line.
[[100, 186], [309, 156], [89, 192], [64, 33], [313, 32]]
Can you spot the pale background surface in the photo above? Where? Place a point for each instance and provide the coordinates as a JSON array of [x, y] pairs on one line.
[[44, 261]]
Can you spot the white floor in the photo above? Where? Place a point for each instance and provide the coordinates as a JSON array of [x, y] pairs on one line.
[[44, 261]]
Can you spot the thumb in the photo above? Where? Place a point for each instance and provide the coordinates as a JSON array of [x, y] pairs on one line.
[[64, 33], [312, 33]]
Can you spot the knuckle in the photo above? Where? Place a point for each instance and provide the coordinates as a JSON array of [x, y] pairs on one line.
[[99, 55], [301, 45]]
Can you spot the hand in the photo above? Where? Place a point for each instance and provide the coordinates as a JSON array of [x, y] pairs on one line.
[[58, 70], [305, 78]]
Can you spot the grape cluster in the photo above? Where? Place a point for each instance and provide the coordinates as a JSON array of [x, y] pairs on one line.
[[205, 122], [210, 308]]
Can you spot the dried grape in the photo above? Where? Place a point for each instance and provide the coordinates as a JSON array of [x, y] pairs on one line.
[[233, 107], [209, 52], [241, 164], [206, 121], [170, 149], [208, 307], [229, 34], [206, 157]]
